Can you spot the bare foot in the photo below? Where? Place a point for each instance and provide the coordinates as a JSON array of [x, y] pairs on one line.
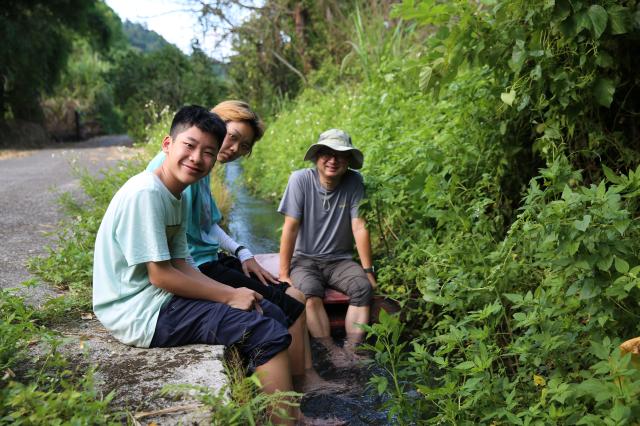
[[312, 383], [351, 347], [339, 357]]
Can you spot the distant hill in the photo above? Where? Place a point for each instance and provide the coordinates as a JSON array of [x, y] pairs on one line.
[[143, 38]]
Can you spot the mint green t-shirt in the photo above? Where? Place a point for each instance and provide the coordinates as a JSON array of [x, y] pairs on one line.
[[143, 223], [202, 215]]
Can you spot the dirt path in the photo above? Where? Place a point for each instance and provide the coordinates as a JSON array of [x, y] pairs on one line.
[[30, 183]]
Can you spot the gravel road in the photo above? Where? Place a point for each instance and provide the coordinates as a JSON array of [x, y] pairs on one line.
[[30, 183]]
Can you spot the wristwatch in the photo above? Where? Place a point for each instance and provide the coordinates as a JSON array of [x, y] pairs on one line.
[[370, 270]]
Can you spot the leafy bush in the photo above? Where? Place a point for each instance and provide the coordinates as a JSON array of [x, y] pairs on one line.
[[511, 246]]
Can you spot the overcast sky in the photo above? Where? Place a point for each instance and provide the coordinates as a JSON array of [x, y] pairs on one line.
[[175, 20]]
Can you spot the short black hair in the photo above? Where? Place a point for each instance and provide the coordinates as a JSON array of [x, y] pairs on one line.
[[200, 117]]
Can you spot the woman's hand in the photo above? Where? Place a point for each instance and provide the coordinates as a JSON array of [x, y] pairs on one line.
[[250, 266]]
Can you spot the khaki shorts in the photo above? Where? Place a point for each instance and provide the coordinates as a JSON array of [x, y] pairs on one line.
[[312, 277]]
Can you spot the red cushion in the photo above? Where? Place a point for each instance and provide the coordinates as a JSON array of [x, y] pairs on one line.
[[335, 297]]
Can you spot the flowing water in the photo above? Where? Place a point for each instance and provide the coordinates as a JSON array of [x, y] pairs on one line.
[[252, 222], [256, 224]]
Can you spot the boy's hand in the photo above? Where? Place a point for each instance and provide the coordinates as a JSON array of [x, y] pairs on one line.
[[250, 266], [245, 299]]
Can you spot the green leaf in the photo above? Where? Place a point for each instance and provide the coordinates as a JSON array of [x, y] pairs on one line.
[[610, 174], [621, 225], [603, 91], [589, 290], [598, 17], [425, 77], [582, 21], [518, 55], [604, 263], [620, 413], [599, 350], [513, 297], [621, 265], [465, 365], [508, 97], [583, 224], [604, 60], [618, 19]]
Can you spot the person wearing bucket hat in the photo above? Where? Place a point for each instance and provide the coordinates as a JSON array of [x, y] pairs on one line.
[[339, 141], [321, 222]]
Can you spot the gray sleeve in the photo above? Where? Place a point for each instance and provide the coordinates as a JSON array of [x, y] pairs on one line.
[[292, 203], [358, 195]]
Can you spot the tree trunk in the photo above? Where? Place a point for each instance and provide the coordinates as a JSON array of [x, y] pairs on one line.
[[300, 24]]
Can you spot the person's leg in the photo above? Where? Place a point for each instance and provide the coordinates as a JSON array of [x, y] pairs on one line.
[[307, 277], [290, 300], [275, 376], [317, 318], [356, 315], [297, 331], [275, 293], [261, 340], [349, 277], [305, 378]]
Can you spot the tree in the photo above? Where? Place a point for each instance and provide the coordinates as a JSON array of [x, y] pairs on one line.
[[283, 42], [164, 77], [36, 41]]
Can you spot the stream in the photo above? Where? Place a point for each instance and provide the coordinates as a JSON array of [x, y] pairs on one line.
[[256, 224]]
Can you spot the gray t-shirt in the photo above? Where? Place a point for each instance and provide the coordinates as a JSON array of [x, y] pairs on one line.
[[325, 216]]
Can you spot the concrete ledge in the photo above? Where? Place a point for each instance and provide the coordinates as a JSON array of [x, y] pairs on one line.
[[138, 375]]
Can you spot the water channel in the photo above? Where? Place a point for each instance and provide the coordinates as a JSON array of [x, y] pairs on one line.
[[256, 224]]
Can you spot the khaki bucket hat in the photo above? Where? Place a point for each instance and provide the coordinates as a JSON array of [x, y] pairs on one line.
[[338, 140]]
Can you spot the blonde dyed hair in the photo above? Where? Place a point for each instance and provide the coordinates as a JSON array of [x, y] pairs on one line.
[[234, 110]]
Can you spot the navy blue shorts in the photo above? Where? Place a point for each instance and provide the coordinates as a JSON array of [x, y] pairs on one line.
[[258, 337], [228, 270]]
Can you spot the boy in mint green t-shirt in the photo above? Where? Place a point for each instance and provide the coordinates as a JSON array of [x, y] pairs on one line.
[[146, 294]]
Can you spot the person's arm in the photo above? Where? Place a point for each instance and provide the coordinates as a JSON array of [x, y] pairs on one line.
[[287, 244], [363, 245], [177, 277], [249, 264]]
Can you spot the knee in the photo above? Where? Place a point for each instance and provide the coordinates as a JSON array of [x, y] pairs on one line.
[[314, 302], [296, 294], [361, 294]]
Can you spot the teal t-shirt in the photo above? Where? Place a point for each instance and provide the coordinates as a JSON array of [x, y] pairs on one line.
[[202, 215], [143, 223]]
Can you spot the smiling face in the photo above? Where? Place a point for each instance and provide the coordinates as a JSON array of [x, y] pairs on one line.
[[332, 164], [237, 142], [190, 157]]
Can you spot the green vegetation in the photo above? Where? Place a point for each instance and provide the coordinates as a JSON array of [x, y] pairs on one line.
[[64, 62], [37, 38], [500, 159], [43, 389], [239, 402]]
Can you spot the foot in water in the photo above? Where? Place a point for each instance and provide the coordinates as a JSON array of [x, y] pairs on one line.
[[339, 357], [312, 383], [352, 347]]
